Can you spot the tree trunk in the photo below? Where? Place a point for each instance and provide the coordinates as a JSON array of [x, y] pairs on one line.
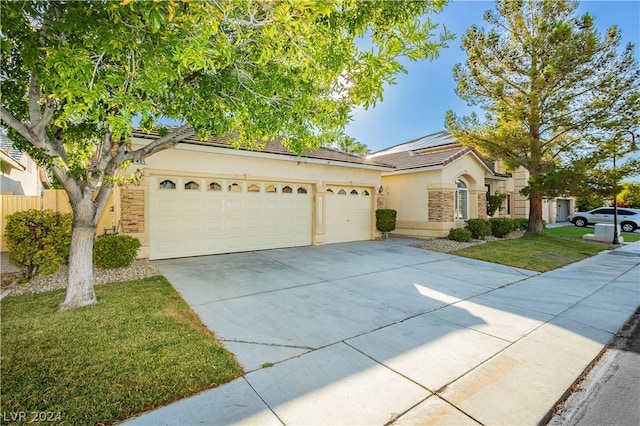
[[535, 215], [80, 282]]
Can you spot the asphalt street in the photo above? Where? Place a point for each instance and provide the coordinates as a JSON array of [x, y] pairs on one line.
[[610, 393]]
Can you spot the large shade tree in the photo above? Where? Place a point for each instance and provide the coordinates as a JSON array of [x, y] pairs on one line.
[[558, 96], [75, 75]]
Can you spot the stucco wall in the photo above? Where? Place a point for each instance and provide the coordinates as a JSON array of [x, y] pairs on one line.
[[21, 182], [198, 161], [424, 199]]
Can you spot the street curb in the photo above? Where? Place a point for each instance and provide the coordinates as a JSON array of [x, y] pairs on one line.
[[615, 341]]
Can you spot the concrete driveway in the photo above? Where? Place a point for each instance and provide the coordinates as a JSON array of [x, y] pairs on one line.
[[378, 331], [268, 306]]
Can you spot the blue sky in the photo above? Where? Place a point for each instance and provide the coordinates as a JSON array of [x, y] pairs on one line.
[[416, 105]]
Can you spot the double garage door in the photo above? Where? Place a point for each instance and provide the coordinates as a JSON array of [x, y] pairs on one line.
[[197, 216]]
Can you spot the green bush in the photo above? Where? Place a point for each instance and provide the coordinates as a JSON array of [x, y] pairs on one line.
[[502, 226], [495, 202], [523, 223], [115, 251], [479, 228], [38, 240], [460, 234], [386, 220]]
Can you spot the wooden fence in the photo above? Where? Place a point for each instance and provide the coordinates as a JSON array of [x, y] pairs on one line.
[[52, 199]]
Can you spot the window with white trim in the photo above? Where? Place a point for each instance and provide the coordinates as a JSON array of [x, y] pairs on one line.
[[461, 201]]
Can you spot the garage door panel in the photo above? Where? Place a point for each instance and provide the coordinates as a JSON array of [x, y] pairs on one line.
[[190, 222], [213, 225], [348, 217]]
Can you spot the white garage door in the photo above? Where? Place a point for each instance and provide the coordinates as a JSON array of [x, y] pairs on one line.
[[348, 214], [190, 217]]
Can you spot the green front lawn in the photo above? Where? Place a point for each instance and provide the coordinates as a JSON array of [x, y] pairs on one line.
[[533, 252], [575, 232], [139, 348]]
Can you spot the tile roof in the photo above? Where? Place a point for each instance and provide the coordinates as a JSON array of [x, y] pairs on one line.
[[437, 149], [407, 160], [273, 147], [439, 139], [6, 145]]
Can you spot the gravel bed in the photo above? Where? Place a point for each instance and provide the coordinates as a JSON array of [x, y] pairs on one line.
[[444, 245], [140, 268]]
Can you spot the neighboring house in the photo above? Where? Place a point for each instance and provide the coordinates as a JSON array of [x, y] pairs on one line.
[[19, 174], [437, 184], [207, 197]]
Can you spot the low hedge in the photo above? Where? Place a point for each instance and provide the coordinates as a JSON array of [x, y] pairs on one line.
[[386, 220], [115, 251], [479, 228], [501, 226], [38, 241], [460, 234]]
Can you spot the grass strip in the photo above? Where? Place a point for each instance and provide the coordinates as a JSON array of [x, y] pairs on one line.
[[533, 252], [575, 232], [139, 348]]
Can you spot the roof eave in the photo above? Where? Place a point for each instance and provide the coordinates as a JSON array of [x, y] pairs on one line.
[[203, 147], [419, 169], [12, 162]]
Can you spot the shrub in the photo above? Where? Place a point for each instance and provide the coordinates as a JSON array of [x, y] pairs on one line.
[[479, 228], [521, 223], [386, 220], [495, 202], [501, 226], [38, 240], [115, 251], [460, 234]]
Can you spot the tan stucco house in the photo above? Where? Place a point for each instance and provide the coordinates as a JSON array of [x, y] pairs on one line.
[[437, 184], [207, 197]]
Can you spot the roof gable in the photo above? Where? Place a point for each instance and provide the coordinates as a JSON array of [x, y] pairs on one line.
[[411, 160], [434, 150], [436, 140]]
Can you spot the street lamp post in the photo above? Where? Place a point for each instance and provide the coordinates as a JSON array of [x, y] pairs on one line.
[[616, 240], [616, 233]]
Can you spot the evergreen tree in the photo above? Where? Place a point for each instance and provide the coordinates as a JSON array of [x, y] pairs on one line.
[[558, 95]]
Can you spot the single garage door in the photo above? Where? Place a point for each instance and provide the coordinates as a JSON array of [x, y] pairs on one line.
[[195, 216], [348, 214]]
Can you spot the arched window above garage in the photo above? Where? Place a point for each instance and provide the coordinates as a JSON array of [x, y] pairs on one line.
[[330, 191], [270, 189], [342, 192], [302, 190], [354, 192], [253, 188], [192, 185], [215, 186], [287, 190], [167, 184], [235, 187], [365, 192]]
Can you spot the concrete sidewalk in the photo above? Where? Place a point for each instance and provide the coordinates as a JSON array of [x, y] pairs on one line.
[[373, 333]]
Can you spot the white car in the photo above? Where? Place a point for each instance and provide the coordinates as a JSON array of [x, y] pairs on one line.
[[629, 219]]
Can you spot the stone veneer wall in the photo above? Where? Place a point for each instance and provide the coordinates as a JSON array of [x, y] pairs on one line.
[[440, 206], [482, 206], [132, 204]]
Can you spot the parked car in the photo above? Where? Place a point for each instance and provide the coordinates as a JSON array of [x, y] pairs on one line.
[[629, 219]]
